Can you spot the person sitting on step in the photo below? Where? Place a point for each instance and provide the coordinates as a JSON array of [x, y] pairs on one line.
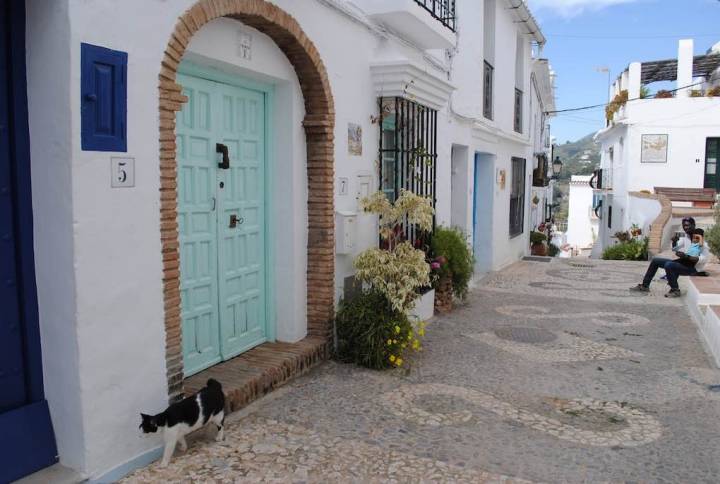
[[691, 259]]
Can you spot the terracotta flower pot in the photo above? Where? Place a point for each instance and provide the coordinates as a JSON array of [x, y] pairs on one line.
[[444, 295], [539, 249]]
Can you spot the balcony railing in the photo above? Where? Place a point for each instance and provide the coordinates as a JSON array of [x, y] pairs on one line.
[[442, 10]]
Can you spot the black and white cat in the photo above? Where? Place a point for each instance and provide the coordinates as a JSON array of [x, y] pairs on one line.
[[186, 416]]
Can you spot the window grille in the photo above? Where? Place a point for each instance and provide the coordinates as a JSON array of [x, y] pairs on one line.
[[408, 153], [518, 114], [517, 197], [488, 90]]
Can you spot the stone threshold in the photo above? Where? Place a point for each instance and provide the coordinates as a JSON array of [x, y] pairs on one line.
[[260, 370]]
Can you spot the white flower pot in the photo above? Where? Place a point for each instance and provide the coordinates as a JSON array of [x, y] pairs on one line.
[[424, 307]]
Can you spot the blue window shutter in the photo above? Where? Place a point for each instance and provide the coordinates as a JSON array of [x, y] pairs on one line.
[[103, 93]]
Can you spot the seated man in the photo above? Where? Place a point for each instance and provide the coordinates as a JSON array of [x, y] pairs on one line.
[[691, 259]]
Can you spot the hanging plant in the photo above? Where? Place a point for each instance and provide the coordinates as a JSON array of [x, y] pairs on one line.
[[663, 94], [614, 106]]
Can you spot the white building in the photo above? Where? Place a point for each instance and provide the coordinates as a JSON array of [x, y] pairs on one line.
[[542, 101], [582, 228], [182, 173], [659, 141]]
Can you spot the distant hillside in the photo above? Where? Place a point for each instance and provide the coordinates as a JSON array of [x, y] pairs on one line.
[[580, 157]]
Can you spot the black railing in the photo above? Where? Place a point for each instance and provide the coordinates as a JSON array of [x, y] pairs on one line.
[[408, 153], [442, 10]]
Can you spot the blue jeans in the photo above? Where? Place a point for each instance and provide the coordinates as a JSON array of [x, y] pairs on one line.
[[673, 270]]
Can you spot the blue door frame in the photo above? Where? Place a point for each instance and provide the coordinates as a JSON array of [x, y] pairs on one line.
[[27, 441]]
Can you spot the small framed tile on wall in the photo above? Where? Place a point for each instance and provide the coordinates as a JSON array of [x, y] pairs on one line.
[[654, 148]]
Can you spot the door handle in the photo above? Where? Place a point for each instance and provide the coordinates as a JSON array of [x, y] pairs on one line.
[[235, 221], [225, 163]]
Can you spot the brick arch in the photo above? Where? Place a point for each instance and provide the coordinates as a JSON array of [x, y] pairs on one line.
[[319, 123]]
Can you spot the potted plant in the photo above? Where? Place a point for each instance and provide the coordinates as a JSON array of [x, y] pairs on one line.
[[452, 266], [635, 230], [663, 94], [373, 328], [537, 243], [713, 91], [535, 200]]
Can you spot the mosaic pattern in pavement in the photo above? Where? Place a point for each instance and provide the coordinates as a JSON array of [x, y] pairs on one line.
[[471, 410], [565, 347]]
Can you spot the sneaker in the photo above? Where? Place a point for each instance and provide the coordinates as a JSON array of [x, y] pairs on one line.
[[639, 288], [673, 293]]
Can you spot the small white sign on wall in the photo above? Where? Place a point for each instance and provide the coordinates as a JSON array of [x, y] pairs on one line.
[[244, 45], [122, 172]]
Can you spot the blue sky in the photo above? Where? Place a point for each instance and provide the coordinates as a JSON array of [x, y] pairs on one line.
[[586, 34]]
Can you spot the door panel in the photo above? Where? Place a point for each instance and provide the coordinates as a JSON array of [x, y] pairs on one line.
[[197, 224], [221, 216], [712, 152], [12, 375], [242, 254]]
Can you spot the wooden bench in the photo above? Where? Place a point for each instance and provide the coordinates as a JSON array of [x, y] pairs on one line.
[[699, 197]]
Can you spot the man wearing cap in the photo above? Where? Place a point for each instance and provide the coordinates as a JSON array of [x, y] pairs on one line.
[[692, 252]]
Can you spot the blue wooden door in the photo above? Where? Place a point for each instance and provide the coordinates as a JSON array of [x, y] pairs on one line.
[[27, 442], [221, 215]]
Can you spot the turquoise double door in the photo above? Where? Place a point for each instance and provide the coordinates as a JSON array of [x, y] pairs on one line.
[[220, 136]]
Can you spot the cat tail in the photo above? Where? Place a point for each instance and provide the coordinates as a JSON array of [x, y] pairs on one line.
[[213, 383]]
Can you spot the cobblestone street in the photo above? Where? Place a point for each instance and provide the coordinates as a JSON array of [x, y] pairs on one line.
[[551, 372]]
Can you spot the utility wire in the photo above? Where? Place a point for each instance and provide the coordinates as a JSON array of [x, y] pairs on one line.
[[594, 106], [612, 37]]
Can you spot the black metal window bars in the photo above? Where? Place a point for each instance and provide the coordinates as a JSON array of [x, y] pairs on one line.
[[441, 10], [408, 154], [517, 197]]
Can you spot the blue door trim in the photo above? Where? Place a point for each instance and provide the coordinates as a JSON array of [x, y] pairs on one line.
[[20, 455]]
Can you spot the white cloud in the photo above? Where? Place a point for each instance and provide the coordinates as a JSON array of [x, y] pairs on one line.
[[570, 8]]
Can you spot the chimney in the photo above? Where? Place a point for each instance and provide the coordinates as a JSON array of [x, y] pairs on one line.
[[684, 67]]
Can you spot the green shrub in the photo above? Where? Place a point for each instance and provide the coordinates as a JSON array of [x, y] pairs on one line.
[[553, 250], [712, 237], [451, 244], [631, 250], [372, 334], [537, 237]]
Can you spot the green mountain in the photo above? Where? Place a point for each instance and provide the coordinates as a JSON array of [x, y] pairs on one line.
[[580, 157]]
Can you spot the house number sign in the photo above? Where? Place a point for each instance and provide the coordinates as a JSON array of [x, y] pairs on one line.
[[122, 172]]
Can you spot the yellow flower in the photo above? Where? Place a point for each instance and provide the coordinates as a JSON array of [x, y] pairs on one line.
[[397, 329], [403, 345], [399, 362], [392, 358], [421, 332], [389, 342], [416, 344], [394, 341]]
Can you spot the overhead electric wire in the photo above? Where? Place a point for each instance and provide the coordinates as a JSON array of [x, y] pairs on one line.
[[619, 37], [594, 106]]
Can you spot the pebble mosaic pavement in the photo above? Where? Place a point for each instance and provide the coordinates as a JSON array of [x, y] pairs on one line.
[[548, 373]]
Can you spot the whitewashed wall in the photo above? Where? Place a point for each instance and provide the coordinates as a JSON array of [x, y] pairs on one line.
[[98, 249], [580, 228]]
